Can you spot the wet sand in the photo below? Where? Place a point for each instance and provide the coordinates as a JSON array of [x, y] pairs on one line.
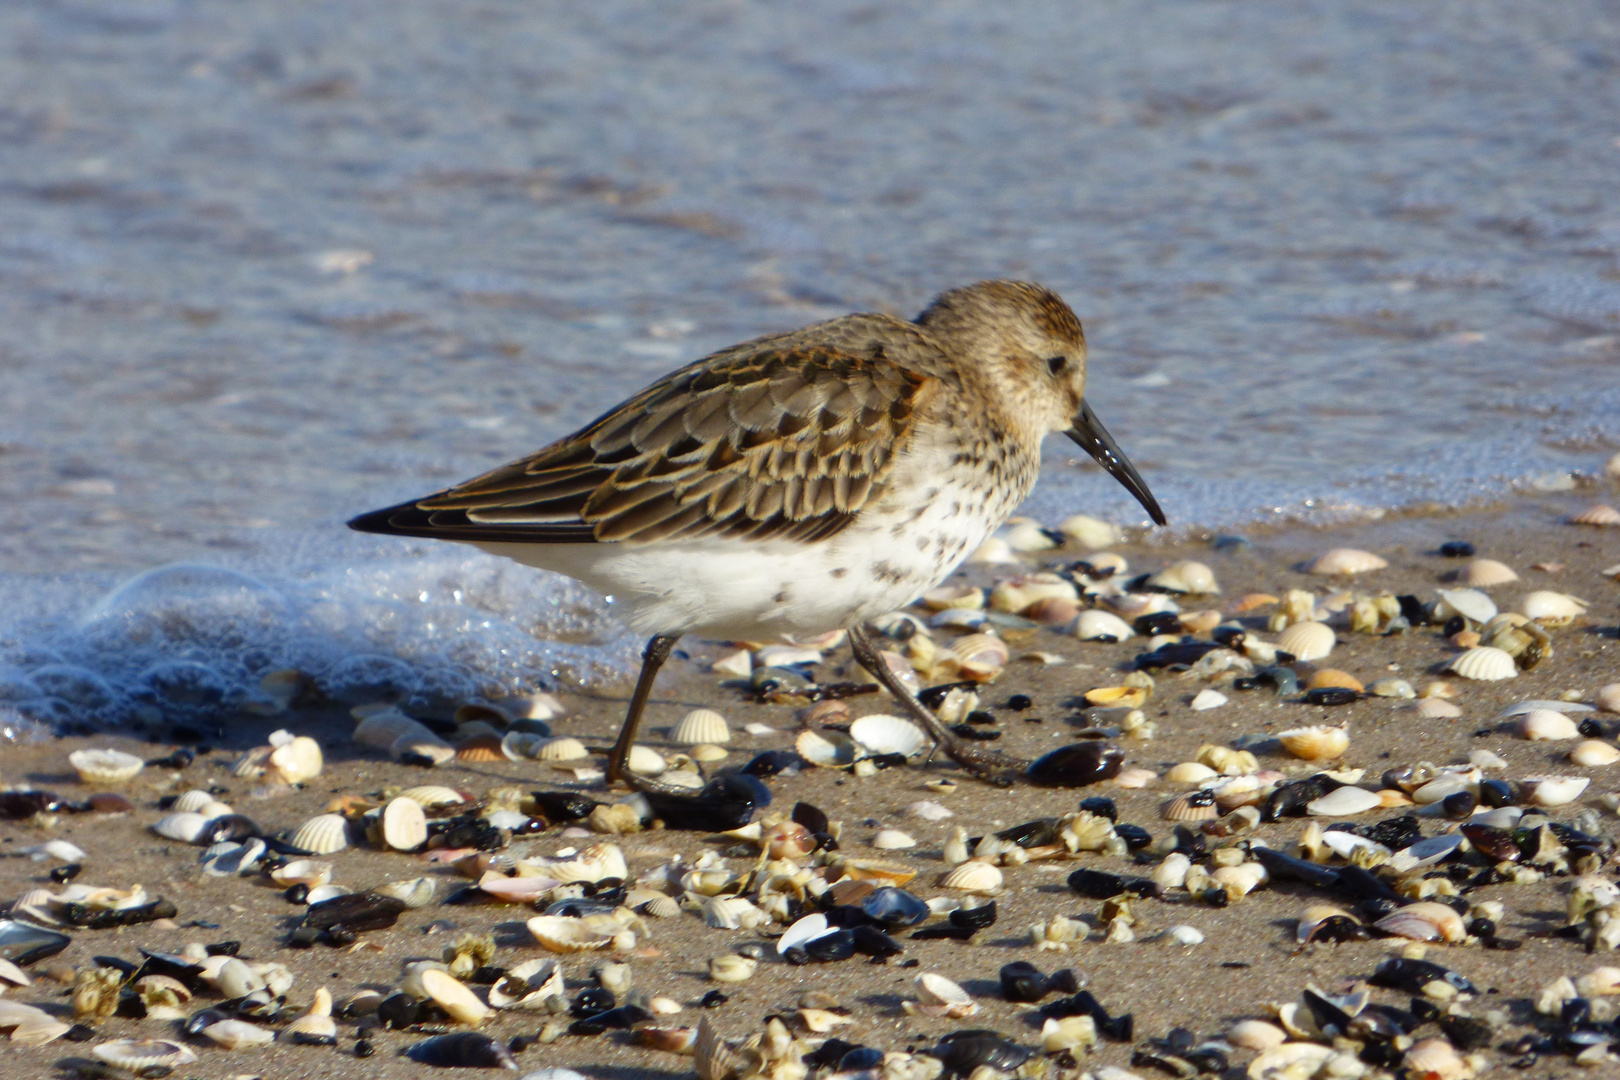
[[1248, 957]]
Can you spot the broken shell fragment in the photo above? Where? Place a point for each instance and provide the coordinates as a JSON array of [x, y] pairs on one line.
[[460, 1003], [732, 968], [1345, 561], [404, 824], [528, 985], [238, 1035], [939, 996], [105, 768], [1424, 921]]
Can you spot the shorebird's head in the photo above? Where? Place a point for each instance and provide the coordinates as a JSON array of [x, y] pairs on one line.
[[1030, 349]]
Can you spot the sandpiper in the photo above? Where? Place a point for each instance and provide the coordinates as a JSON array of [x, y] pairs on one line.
[[797, 483]]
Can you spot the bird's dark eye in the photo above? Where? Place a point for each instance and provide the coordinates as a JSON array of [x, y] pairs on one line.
[[1057, 364]]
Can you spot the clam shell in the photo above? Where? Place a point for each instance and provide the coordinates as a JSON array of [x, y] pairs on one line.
[[826, 749], [1190, 772], [1437, 709], [528, 985], [732, 913], [732, 968], [404, 824], [430, 747], [972, 876], [1256, 1035], [953, 596], [429, 796], [1425, 921], [185, 826], [1484, 573], [311, 872], [645, 761], [1469, 603], [322, 893], [416, 893], [105, 768], [1327, 677], [1344, 802], [1097, 625], [1089, 531], [1594, 752], [238, 1034], [454, 998], [1316, 743], [316, 1022], [1596, 515], [1435, 1059], [707, 752], [882, 734], [700, 726], [322, 834], [893, 840], [1118, 697], [1345, 561], [1185, 576], [1608, 698], [236, 979], [1555, 790], [383, 729], [296, 761], [1539, 725], [1484, 663], [939, 996], [138, 1055], [1307, 640], [1552, 608], [561, 934], [561, 748]]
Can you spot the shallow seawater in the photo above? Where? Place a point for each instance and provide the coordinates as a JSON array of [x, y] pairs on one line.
[[265, 266]]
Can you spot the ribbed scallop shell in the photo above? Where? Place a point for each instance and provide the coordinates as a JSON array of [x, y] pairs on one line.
[[1095, 625], [562, 748], [1325, 677], [883, 734], [980, 657], [322, 834], [429, 796], [1189, 806], [1485, 573], [826, 749], [105, 768], [1597, 515], [428, 746], [481, 748], [972, 876], [1435, 1059], [1484, 663], [404, 825], [1316, 743], [1307, 640], [138, 1055], [185, 826], [1185, 576], [701, 726], [561, 934], [192, 801], [1345, 561], [252, 765]]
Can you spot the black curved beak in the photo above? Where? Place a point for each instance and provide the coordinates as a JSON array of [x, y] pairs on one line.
[[1089, 433]]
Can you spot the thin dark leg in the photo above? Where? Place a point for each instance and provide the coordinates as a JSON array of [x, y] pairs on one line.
[[976, 758], [652, 658]]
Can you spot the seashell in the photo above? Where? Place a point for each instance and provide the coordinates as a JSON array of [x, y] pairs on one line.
[[1392, 688], [707, 752], [1599, 982], [598, 862], [238, 1035], [994, 550], [1344, 802], [186, 827], [701, 726], [1098, 625], [561, 934], [1307, 640], [939, 996], [105, 768], [1594, 752], [1540, 725], [454, 998], [430, 796], [295, 761], [893, 840], [972, 876], [882, 734], [322, 893], [1435, 1059], [316, 1025], [1117, 697], [1016, 594], [1207, 699], [1438, 709], [236, 979], [310, 872], [1190, 772], [561, 748], [1240, 880], [1320, 919], [1327, 677], [381, 730], [143, 1057], [1471, 604], [1608, 698], [528, 986], [1295, 1059], [732, 968], [481, 747], [1185, 576], [466, 1050], [1484, 663], [929, 810], [252, 765], [947, 597], [1552, 608], [1190, 806], [1599, 515], [192, 801], [645, 761], [1068, 1033], [826, 748], [1424, 921], [430, 749], [787, 840], [1317, 743], [416, 893], [322, 834], [732, 913], [1089, 531], [403, 825], [1554, 790], [1344, 561], [1256, 1035], [1485, 573]]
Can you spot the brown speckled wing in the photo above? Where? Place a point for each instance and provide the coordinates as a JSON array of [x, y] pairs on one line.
[[771, 442]]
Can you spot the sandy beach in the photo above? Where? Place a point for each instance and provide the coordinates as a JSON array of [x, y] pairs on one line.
[[1248, 956]]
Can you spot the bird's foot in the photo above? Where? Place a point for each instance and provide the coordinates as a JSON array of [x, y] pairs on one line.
[[981, 762]]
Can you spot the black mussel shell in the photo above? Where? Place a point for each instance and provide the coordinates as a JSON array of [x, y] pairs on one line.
[[594, 1000], [19, 805], [1574, 1013], [893, 907], [1495, 844], [1083, 1003], [1077, 765], [811, 817], [398, 1011], [563, 805], [1136, 838], [726, 802], [1037, 833], [1285, 867], [964, 1051], [621, 1018], [61, 875], [1102, 806], [180, 759], [770, 762], [1177, 655], [1359, 884], [102, 919], [175, 967], [860, 1058], [1456, 549], [975, 918], [204, 1018], [1290, 800], [1284, 680], [23, 943], [1412, 976], [831, 948], [1466, 1032], [463, 1050], [831, 1052], [229, 828], [355, 912], [1179, 1067], [945, 931], [1100, 885], [1394, 833], [1332, 695], [1022, 981], [1155, 623], [870, 941], [577, 907], [1338, 928], [934, 696], [1459, 805]]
